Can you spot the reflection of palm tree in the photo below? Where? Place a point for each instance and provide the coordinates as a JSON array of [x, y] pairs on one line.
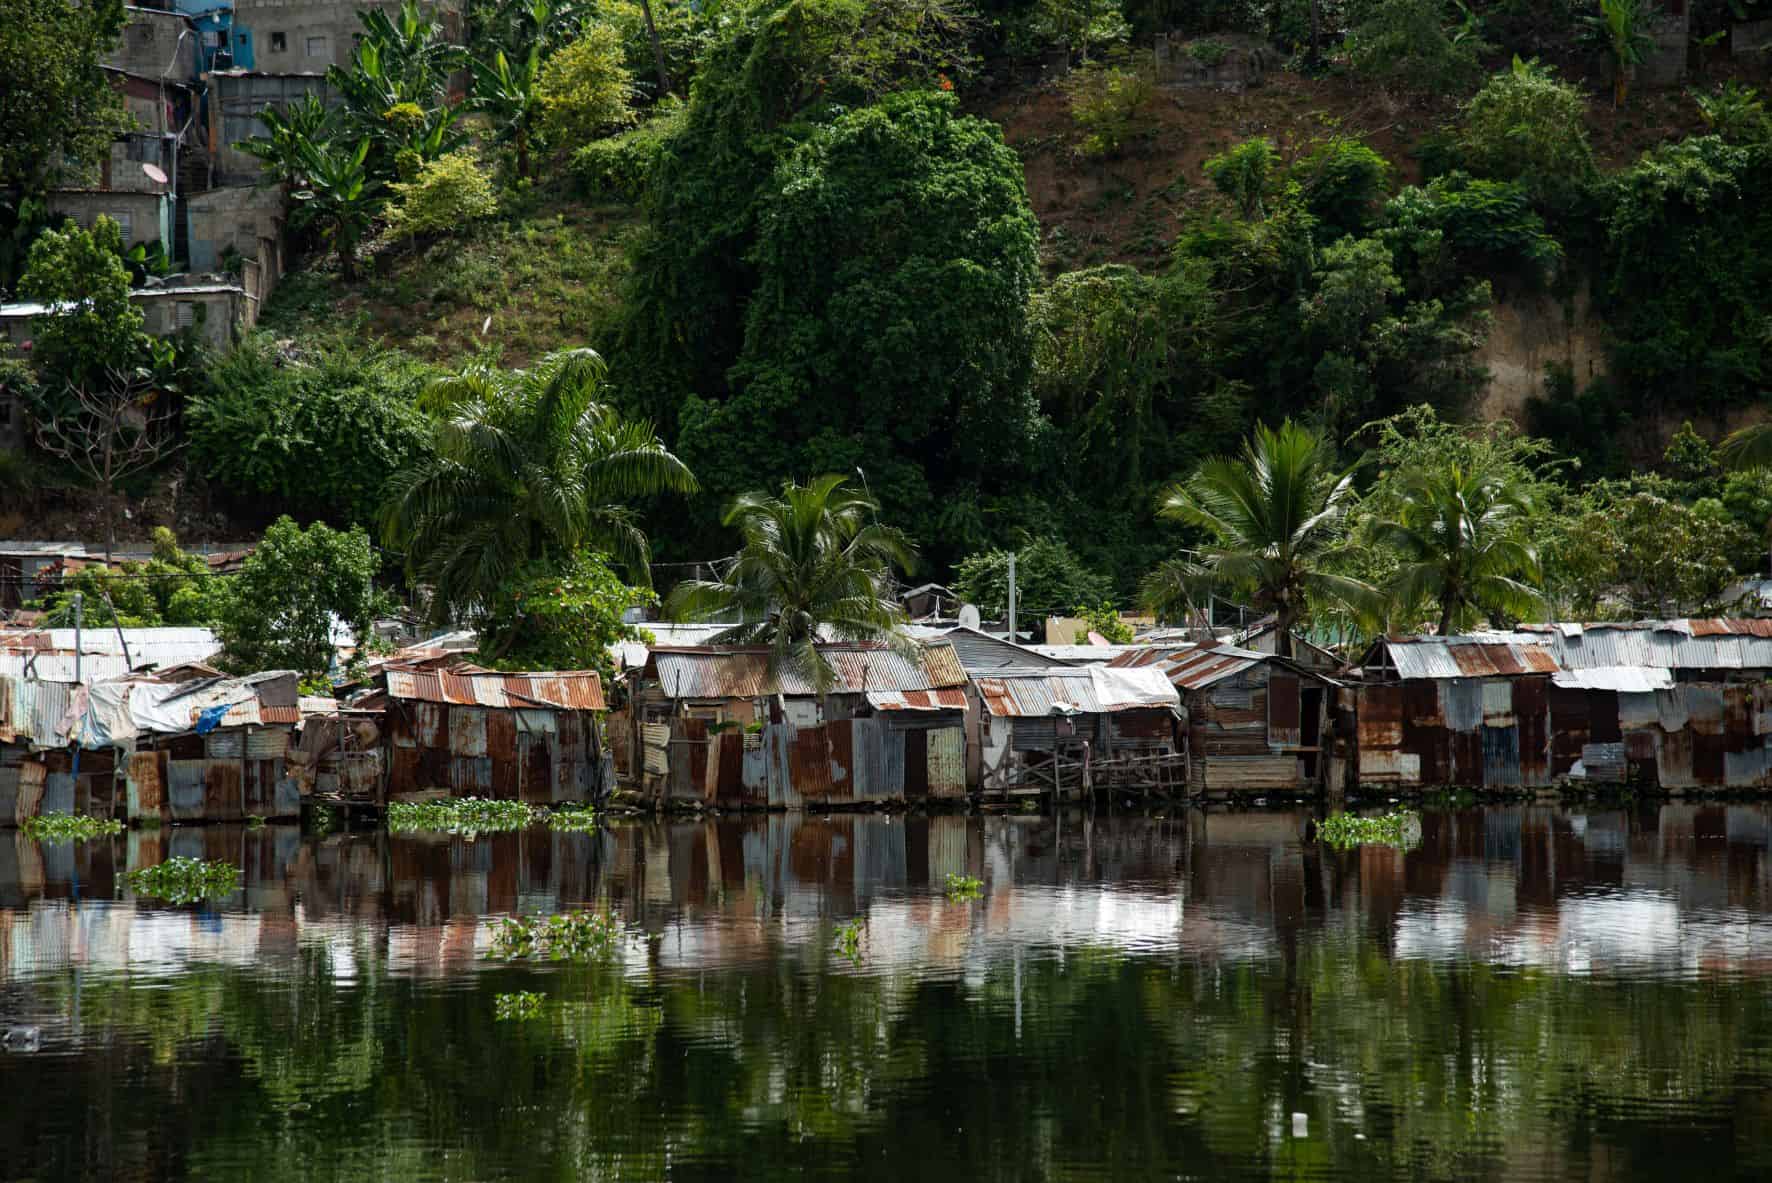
[[815, 558], [1272, 518], [1459, 535], [527, 464]]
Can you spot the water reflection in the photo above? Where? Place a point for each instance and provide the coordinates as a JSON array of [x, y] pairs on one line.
[[1529, 993]]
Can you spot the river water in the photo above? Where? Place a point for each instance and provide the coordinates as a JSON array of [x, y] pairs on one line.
[[1529, 993]]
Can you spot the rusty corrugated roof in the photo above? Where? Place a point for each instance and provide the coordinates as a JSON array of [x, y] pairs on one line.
[[1192, 667], [946, 699], [1698, 644], [720, 672], [572, 690]]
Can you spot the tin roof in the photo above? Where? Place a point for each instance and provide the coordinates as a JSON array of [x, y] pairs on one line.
[[572, 690], [979, 652], [147, 646], [1090, 690], [856, 668], [1702, 644], [946, 699]]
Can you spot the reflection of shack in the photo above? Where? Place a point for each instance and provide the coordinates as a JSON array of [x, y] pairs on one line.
[[712, 725], [1675, 704], [190, 746], [470, 732], [1255, 722], [1065, 730]]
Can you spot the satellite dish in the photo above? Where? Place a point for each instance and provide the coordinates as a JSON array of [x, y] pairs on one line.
[[155, 173], [968, 616]]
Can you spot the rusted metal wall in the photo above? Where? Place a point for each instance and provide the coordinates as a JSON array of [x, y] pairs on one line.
[[1243, 729], [531, 754]]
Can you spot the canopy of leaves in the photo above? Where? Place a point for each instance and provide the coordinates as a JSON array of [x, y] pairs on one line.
[[1049, 580], [445, 196], [584, 88], [96, 328], [559, 615], [1525, 125], [1416, 44], [171, 588], [280, 608], [58, 108]]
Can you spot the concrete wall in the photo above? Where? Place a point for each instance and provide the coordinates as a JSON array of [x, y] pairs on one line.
[[143, 217], [214, 315], [1529, 332], [1665, 65], [303, 36], [156, 45], [234, 103], [241, 217]]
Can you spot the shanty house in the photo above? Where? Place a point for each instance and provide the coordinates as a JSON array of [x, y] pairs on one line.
[[1255, 722], [1065, 729], [1676, 704], [714, 725], [481, 733]]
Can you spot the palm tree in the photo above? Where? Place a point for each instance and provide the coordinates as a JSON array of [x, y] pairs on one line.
[[1746, 449], [813, 559], [526, 464], [1459, 533], [1273, 519]]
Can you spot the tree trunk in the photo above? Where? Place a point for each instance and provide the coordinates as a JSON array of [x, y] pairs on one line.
[[1283, 629], [110, 500], [1316, 30], [1446, 607], [523, 153], [347, 253], [664, 79]]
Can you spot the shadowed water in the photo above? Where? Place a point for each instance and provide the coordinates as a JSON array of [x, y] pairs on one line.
[[1530, 993]]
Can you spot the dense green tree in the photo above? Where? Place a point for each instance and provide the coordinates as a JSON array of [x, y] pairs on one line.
[[1633, 550], [1526, 125], [96, 328], [1270, 522], [279, 610], [511, 98], [58, 108], [814, 561], [560, 613], [1049, 580], [524, 465], [172, 587], [1420, 45]]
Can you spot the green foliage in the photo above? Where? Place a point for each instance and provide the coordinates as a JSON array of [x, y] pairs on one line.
[[567, 936], [172, 588], [1620, 29], [520, 1007], [319, 433], [1049, 580], [584, 88], [579, 818], [1416, 45], [815, 558], [848, 939], [336, 195], [98, 328], [1399, 827], [58, 108], [69, 827], [280, 607], [444, 197], [621, 167], [1245, 174], [1525, 125], [525, 465], [1108, 103], [183, 880], [1208, 52], [1102, 618], [466, 815], [1736, 113], [559, 615], [1343, 185], [1631, 550], [1459, 226], [961, 888]]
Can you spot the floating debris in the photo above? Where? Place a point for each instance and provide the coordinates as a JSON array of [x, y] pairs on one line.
[[570, 817], [185, 880], [568, 936], [70, 827]]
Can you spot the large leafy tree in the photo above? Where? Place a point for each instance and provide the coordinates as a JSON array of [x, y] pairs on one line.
[[525, 465], [1272, 520], [1460, 537], [58, 109], [278, 613], [97, 329], [814, 559]]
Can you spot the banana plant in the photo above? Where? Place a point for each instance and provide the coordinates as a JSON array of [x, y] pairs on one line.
[[509, 95], [1621, 30], [340, 196], [279, 149]]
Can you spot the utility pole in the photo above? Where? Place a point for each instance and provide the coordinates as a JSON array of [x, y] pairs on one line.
[[79, 600], [1012, 635]]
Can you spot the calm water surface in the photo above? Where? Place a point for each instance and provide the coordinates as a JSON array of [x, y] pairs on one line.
[[1531, 993]]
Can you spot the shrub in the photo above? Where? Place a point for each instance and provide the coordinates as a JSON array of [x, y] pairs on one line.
[[585, 88], [1736, 113], [1342, 183], [1107, 102], [1245, 174], [447, 193], [1457, 225], [1526, 126], [621, 166], [1409, 43], [1209, 52]]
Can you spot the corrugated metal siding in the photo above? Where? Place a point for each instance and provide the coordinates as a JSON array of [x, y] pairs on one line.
[[744, 673], [945, 753]]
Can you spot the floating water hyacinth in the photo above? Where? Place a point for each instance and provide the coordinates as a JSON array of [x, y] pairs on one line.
[[518, 1007], [964, 887], [470, 815], [572, 817], [568, 936], [70, 827], [849, 940], [1400, 827], [185, 880]]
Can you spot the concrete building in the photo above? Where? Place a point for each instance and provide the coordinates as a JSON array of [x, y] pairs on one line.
[[306, 36], [214, 306]]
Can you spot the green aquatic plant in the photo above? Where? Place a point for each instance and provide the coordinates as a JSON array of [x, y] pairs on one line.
[[467, 816], [849, 939], [69, 827], [519, 1007], [567, 936], [964, 887], [1399, 827], [572, 817], [185, 880], [254, 821]]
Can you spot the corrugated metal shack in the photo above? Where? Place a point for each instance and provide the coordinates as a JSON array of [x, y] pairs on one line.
[[1071, 730], [481, 733], [712, 725], [195, 749], [1255, 722], [1677, 704]]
